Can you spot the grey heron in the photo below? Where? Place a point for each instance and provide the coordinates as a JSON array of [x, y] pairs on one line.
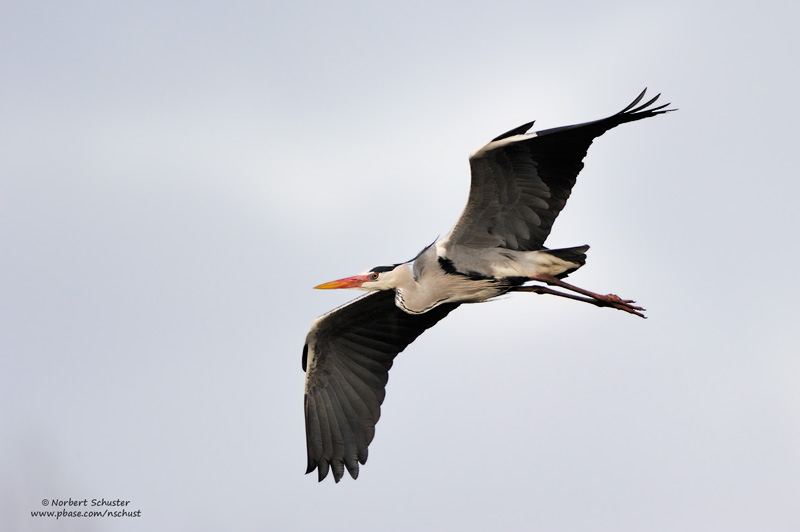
[[520, 183]]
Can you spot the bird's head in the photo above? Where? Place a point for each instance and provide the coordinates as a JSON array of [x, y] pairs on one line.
[[378, 278]]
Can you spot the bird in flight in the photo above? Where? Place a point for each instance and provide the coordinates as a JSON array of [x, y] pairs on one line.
[[520, 183]]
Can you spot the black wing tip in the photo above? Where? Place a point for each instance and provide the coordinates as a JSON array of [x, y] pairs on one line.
[[312, 465], [644, 110], [323, 466]]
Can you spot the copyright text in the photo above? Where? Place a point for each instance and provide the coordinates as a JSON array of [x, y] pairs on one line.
[[99, 508]]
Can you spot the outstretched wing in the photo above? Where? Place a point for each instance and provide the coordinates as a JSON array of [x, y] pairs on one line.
[[347, 357], [521, 182]]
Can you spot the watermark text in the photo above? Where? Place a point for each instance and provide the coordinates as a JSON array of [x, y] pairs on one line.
[[93, 508]]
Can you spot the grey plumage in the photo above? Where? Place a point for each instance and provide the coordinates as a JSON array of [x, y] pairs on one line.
[[520, 183]]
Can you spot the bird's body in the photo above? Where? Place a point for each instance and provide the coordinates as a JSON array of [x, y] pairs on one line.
[[520, 183], [462, 275]]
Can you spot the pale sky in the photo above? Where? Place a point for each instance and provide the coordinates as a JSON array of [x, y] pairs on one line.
[[176, 176]]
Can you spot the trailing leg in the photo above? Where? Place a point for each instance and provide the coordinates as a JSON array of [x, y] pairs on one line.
[[600, 300]]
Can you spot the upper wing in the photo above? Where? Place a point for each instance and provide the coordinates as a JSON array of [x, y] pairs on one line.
[[347, 357], [521, 182]]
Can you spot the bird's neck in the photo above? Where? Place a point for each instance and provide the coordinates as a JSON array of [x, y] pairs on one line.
[[411, 295], [402, 279]]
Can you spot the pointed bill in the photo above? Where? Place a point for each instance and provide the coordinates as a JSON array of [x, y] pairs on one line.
[[348, 282]]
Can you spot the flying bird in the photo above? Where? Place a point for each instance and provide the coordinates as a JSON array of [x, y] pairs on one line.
[[520, 183]]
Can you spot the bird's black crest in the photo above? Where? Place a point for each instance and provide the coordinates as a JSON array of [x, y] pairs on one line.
[[381, 269]]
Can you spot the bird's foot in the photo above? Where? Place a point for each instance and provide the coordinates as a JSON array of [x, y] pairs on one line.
[[613, 300]]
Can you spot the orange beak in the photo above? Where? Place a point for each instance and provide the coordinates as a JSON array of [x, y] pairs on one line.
[[348, 282]]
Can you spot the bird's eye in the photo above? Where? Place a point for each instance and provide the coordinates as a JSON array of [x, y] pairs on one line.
[[373, 276]]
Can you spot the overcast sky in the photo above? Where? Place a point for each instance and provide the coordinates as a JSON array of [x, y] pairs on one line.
[[176, 176]]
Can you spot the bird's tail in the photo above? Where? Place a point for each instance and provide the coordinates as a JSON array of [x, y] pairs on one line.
[[575, 255]]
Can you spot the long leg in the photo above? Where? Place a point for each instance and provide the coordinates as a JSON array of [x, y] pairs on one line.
[[608, 300]]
